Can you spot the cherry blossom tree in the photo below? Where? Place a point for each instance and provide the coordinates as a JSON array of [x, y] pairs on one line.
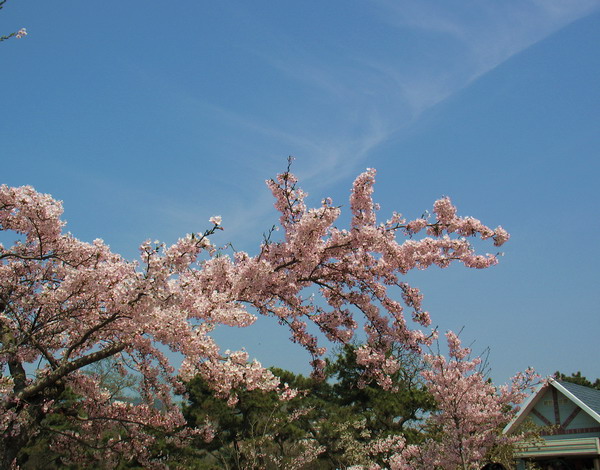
[[471, 413], [66, 304]]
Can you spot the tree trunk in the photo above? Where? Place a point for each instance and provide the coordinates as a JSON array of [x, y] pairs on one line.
[[10, 445]]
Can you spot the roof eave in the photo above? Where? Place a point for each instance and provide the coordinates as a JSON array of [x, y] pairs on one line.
[[525, 408]]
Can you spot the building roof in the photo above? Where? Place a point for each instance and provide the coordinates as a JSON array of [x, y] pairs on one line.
[[586, 398], [587, 395]]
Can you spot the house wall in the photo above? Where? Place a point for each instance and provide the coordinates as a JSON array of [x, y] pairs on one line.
[[582, 421]]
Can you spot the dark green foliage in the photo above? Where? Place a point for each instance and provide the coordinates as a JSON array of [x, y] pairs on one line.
[[578, 379], [260, 430], [339, 417], [363, 412], [38, 454], [394, 411], [336, 414], [65, 418]]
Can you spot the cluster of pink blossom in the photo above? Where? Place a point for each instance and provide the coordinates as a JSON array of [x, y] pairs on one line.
[[467, 226], [467, 426], [471, 413], [66, 304], [18, 35]]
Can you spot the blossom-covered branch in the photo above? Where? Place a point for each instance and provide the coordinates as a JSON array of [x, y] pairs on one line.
[[17, 34], [65, 304], [471, 413]]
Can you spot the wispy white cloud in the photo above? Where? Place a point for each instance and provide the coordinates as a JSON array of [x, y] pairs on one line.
[[454, 43], [477, 36], [372, 93], [351, 140]]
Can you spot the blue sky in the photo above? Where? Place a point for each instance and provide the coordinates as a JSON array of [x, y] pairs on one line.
[[147, 118]]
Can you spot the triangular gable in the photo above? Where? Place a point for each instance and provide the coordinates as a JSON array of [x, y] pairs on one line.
[[584, 398]]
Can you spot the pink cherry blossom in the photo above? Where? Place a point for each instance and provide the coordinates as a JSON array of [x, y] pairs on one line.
[[471, 413], [66, 304]]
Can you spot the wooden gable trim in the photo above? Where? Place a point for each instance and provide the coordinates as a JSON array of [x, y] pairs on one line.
[[595, 415], [534, 398], [542, 418], [556, 409], [571, 417], [526, 408], [561, 431]]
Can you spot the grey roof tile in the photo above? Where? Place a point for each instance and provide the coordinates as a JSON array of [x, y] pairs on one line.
[[589, 396]]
